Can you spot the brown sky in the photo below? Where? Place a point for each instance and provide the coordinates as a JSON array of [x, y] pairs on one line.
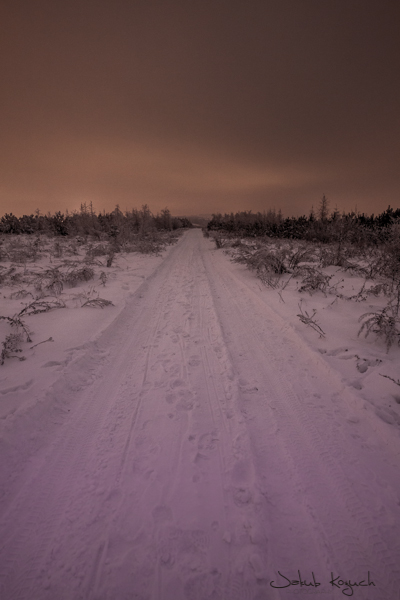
[[201, 106]]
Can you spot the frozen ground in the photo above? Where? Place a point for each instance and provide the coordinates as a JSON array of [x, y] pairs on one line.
[[197, 441]]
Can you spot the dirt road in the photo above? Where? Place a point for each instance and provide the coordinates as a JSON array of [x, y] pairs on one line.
[[192, 452]]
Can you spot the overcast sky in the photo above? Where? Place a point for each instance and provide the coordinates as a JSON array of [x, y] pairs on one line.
[[201, 106]]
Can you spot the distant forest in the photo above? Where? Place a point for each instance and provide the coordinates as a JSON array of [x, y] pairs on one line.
[[87, 222], [319, 226]]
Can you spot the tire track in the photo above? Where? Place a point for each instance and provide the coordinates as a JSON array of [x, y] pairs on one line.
[[343, 527], [193, 463], [43, 500]]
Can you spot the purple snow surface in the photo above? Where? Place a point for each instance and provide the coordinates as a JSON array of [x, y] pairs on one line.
[[197, 448]]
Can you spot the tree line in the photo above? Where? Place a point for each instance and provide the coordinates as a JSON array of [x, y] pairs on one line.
[[319, 226], [87, 222]]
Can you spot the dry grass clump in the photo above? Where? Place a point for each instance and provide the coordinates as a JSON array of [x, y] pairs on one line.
[[98, 250], [268, 265], [19, 325], [313, 280], [219, 241], [304, 254], [268, 262], [390, 263], [75, 276], [145, 245], [384, 324], [12, 342], [310, 320], [337, 255], [22, 293], [41, 305], [11, 345], [97, 303], [21, 252], [53, 280]]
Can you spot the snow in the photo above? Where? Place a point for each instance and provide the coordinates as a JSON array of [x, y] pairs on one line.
[[196, 440]]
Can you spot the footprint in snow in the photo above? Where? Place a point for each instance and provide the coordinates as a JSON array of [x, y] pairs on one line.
[[197, 459], [246, 387], [242, 496], [337, 351], [16, 388], [185, 404], [340, 353], [194, 361], [364, 363], [208, 441], [357, 384], [177, 383], [388, 415], [52, 363]]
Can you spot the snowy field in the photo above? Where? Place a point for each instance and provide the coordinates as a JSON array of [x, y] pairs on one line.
[[177, 432]]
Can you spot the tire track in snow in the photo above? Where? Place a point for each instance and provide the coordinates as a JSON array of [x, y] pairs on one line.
[[181, 472], [39, 524], [201, 429], [246, 532], [342, 525], [165, 296]]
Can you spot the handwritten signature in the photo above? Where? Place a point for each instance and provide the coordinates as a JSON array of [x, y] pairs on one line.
[[346, 586]]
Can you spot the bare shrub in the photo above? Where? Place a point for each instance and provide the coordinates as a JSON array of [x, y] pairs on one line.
[[384, 324], [98, 250], [11, 345], [14, 339], [379, 288], [310, 320], [40, 306], [313, 280], [21, 294], [98, 303], [16, 278], [110, 259], [390, 264], [22, 255], [3, 254], [299, 256], [147, 245], [219, 240], [55, 285], [57, 250], [269, 264], [74, 275]]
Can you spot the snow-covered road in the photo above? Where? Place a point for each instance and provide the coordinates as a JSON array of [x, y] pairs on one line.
[[195, 450]]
